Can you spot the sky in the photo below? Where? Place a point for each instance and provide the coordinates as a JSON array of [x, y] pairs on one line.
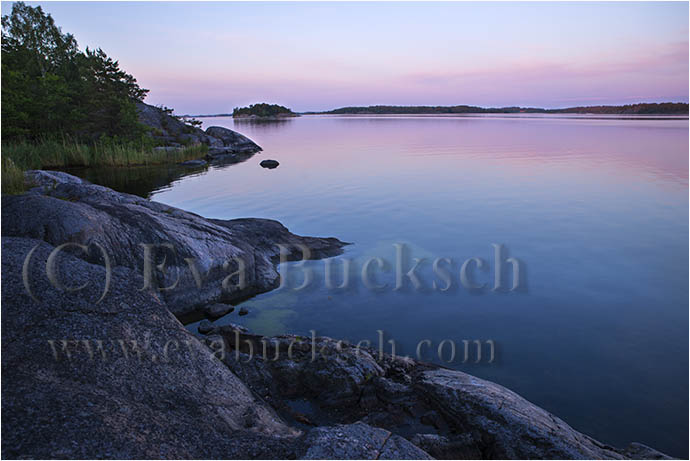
[[206, 58]]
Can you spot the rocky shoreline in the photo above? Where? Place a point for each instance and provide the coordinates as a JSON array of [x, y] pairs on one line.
[[88, 375], [224, 145]]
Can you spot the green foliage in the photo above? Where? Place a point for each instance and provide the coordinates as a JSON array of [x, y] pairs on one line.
[[262, 110], [64, 107], [107, 151], [51, 88]]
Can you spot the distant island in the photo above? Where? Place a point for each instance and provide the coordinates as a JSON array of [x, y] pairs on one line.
[[263, 110], [666, 108]]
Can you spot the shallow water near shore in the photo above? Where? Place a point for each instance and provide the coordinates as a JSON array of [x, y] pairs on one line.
[[594, 208]]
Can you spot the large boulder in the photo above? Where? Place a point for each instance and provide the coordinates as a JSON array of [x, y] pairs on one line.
[[501, 424], [120, 378], [199, 253], [173, 131], [232, 139]]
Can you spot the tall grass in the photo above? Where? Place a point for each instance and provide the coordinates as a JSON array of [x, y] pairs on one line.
[[59, 153], [12, 177], [66, 153]]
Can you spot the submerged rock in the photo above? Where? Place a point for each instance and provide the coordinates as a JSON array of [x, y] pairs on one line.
[[243, 311], [270, 164]]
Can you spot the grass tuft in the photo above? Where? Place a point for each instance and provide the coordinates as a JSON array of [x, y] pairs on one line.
[[11, 177], [61, 153]]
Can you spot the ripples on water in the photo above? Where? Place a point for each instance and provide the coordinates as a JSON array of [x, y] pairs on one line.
[[595, 207]]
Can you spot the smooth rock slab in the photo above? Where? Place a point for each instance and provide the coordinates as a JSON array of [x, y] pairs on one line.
[[640, 451], [505, 425], [230, 138], [130, 382], [66, 209]]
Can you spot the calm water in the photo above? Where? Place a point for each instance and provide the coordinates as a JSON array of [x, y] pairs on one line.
[[596, 209]]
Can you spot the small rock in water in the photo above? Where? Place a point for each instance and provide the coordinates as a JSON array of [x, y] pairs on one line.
[[218, 310], [243, 311], [270, 164], [205, 327]]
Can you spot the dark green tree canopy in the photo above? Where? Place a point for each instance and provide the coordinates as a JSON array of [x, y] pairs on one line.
[[262, 110], [50, 87]]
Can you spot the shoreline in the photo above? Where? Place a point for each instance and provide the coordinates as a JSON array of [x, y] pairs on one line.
[[583, 115], [169, 141], [299, 405], [517, 116]]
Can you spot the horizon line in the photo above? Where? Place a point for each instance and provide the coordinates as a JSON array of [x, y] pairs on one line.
[[456, 105]]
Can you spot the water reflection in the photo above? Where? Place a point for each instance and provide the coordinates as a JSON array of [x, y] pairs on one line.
[[597, 208], [139, 180], [145, 181], [259, 124], [221, 162]]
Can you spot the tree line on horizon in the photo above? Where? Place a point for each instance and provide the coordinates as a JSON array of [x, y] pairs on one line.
[[262, 110], [666, 108]]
